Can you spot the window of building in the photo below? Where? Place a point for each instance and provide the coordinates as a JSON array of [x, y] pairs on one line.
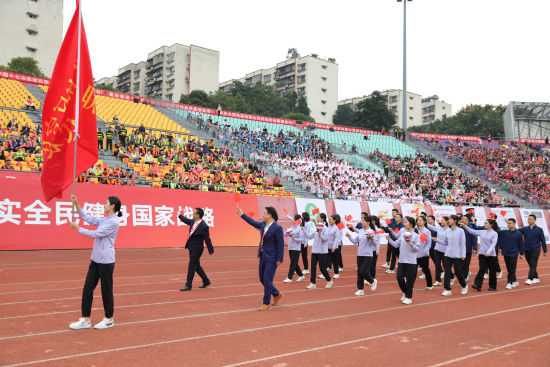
[[324, 66], [394, 108], [302, 90], [323, 102], [410, 108], [301, 79], [31, 49], [32, 32], [137, 74], [267, 78], [136, 86], [34, 1], [393, 99], [323, 90], [32, 15], [302, 67], [324, 78], [323, 113], [169, 96]]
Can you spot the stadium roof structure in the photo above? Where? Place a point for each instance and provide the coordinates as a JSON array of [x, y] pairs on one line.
[[528, 120]]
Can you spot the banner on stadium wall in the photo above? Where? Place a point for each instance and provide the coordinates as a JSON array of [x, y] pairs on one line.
[[343, 128], [502, 214], [412, 210], [345, 208], [273, 120], [479, 214], [532, 141], [381, 210], [447, 137], [441, 211], [118, 95], [24, 78], [541, 220]]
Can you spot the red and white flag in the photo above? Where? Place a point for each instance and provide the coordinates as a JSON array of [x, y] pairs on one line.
[[62, 121]]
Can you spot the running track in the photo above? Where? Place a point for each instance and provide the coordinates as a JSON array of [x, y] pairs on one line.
[[156, 325]]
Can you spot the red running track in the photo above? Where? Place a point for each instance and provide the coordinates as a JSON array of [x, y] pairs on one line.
[[156, 325]]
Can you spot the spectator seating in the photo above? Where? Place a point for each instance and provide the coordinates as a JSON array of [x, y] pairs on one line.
[[13, 94]]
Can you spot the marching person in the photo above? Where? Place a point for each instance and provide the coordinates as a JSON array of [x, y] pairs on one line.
[[319, 254], [297, 237], [366, 246], [471, 245], [408, 243], [375, 226], [199, 234], [334, 239], [102, 263], [423, 254], [510, 242], [392, 253], [533, 237], [455, 253], [487, 254], [309, 227], [270, 252], [440, 246]]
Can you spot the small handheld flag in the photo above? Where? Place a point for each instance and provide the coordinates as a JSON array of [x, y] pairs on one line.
[[237, 197], [297, 222], [423, 237], [388, 221], [315, 211], [340, 226], [348, 218], [286, 211]]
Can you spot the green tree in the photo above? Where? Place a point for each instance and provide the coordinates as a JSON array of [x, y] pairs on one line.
[[302, 106], [199, 98], [105, 87], [24, 65], [343, 115], [298, 117], [373, 113]]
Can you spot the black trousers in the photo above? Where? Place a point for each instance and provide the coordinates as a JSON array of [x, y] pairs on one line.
[[100, 144], [438, 260], [448, 264], [373, 265], [97, 271], [363, 271], [322, 260], [195, 266], [498, 269], [532, 258], [424, 263], [466, 265], [109, 144], [304, 256], [487, 263], [294, 256], [333, 260], [340, 260], [511, 265], [392, 254], [408, 272]]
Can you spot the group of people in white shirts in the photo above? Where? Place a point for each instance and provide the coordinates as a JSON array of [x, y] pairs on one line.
[[415, 241]]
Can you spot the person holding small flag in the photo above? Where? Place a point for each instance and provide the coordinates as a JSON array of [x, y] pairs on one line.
[[423, 254], [365, 239], [487, 253], [297, 237], [455, 253], [319, 254], [440, 247]]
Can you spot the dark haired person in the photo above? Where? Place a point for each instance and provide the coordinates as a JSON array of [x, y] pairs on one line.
[[199, 234], [391, 252], [487, 253], [270, 252], [533, 237], [510, 242], [102, 263], [423, 254], [297, 237], [471, 245], [366, 246], [309, 227], [440, 245], [455, 253], [334, 240]]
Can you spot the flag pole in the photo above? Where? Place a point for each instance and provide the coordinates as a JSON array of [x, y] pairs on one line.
[[77, 100]]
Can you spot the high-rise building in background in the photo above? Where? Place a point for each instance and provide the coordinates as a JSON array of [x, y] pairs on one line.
[[31, 28], [309, 76], [169, 72]]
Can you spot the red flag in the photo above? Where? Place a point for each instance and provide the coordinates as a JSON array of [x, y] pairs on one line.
[[251, 214], [380, 232], [315, 211], [350, 226], [492, 216], [59, 113], [237, 197], [348, 218], [340, 226], [470, 211], [286, 211], [297, 222], [423, 237], [388, 221]]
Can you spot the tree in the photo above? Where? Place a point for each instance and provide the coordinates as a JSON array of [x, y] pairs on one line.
[[302, 106], [435, 97], [24, 65], [343, 115], [472, 120], [298, 117], [373, 113], [199, 98], [105, 87]]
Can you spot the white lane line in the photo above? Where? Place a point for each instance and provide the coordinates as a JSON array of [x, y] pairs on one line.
[[522, 341], [172, 341]]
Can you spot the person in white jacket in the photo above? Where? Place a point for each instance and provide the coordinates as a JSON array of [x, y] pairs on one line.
[[365, 239], [319, 253], [297, 237]]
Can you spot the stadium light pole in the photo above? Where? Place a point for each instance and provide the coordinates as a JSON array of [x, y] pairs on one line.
[[404, 112]]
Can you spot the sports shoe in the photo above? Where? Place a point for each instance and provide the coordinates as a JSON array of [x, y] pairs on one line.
[[485, 276], [389, 271], [536, 281], [464, 290], [418, 269], [287, 280], [509, 286], [499, 275], [321, 276], [528, 282], [453, 281], [311, 286], [300, 278], [515, 284], [336, 276], [386, 265], [403, 297], [329, 284], [365, 282], [374, 285], [305, 271], [467, 277], [360, 293], [340, 269], [407, 301], [264, 308], [81, 324], [446, 293], [104, 324], [276, 299], [437, 284], [429, 288], [422, 276]]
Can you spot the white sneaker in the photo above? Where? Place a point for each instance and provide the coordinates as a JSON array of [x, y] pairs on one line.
[[418, 269], [300, 278], [528, 282], [429, 288], [468, 277], [403, 297], [386, 265], [305, 271], [422, 276], [453, 281], [329, 284], [499, 275], [486, 276], [81, 324], [365, 282], [336, 276], [104, 324], [287, 280], [374, 285], [329, 269], [360, 293], [340, 269], [437, 284], [446, 293], [536, 281], [515, 284], [407, 301], [311, 286], [321, 276], [509, 286], [464, 290], [390, 271]]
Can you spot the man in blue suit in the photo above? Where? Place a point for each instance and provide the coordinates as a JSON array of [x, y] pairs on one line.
[[270, 252]]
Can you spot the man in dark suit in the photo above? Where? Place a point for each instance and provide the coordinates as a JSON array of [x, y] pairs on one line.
[[199, 234], [270, 252]]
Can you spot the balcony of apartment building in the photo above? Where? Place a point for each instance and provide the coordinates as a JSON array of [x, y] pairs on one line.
[[124, 88], [154, 62], [135, 89], [284, 71], [287, 82], [154, 76], [427, 110], [154, 89], [124, 77]]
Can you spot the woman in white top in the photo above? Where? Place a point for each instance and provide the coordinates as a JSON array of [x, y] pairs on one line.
[[378, 232], [364, 238], [439, 249], [487, 253], [423, 255], [296, 236], [319, 253], [309, 227], [103, 261], [334, 240]]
